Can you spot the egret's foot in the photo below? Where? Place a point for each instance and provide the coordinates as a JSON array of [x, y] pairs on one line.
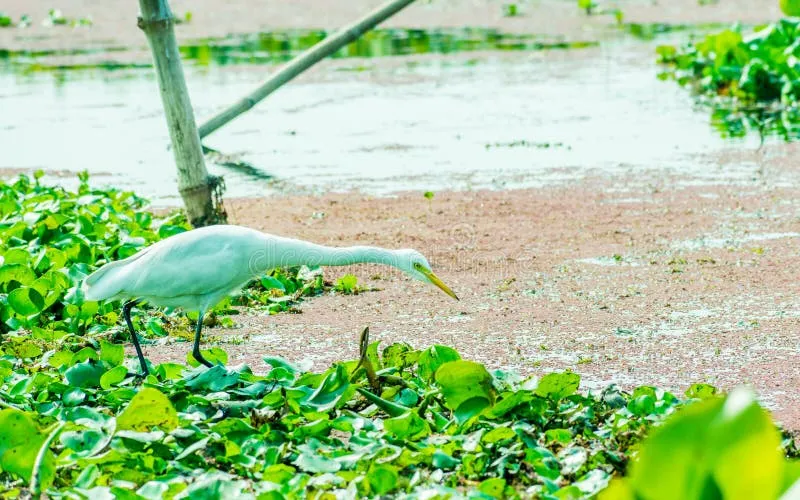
[[200, 359]]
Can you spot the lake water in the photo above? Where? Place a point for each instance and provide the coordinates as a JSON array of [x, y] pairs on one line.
[[507, 112]]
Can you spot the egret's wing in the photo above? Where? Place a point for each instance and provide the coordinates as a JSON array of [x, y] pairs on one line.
[[189, 267], [107, 281]]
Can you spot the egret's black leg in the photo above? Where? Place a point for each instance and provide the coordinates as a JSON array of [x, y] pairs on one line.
[[126, 312], [196, 350]]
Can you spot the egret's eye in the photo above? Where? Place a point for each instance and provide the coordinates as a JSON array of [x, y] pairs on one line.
[[417, 266]]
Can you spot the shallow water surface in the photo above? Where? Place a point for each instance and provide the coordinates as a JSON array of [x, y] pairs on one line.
[[496, 119]]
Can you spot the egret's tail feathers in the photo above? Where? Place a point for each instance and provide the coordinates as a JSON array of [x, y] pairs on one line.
[[108, 281]]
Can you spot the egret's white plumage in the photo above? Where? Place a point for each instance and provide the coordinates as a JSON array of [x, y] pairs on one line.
[[196, 269]]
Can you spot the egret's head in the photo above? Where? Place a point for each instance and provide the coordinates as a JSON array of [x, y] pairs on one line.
[[416, 265]]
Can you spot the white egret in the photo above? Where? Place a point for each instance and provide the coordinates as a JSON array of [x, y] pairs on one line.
[[196, 269]]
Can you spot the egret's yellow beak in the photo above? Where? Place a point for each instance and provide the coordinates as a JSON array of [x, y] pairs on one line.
[[436, 281]]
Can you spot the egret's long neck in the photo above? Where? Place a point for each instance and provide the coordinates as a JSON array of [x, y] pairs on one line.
[[275, 252], [345, 256]]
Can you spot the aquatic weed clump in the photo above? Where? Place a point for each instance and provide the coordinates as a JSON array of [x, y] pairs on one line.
[[750, 80], [403, 422]]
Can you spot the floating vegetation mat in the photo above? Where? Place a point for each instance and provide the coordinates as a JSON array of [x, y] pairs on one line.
[[751, 81]]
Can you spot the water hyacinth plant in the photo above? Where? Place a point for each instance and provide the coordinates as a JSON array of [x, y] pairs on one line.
[[751, 80]]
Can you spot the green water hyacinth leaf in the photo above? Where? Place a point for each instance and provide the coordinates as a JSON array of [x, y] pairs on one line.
[[728, 446], [462, 381], [433, 357], [269, 283], [113, 354], [556, 386], [332, 391], [213, 489], [216, 378], [471, 408], [20, 441], [113, 377], [85, 374], [347, 284], [16, 427], [26, 301], [214, 355], [701, 391], [313, 463], [26, 350], [20, 460], [149, 408], [382, 479], [389, 407], [20, 273], [494, 487], [407, 426], [501, 433]]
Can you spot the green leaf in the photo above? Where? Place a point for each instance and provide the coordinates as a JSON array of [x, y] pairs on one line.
[[471, 408], [16, 428], [556, 386], [509, 402], [270, 283], [382, 479], [20, 459], [85, 374], [277, 362], [461, 381], [593, 482], [149, 408], [60, 358], [316, 463], [170, 371], [790, 487], [408, 426], [27, 350], [167, 230], [214, 489], [113, 354], [701, 391], [347, 284], [19, 256], [73, 397], [433, 357], [730, 445], [20, 441], [561, 436], [330, 393], [494, 487], [442, 460], [399, 355], [215, 356], [26, 301], [216, 378], [113, 377], [389, 407], [500, 433], [20, 273]]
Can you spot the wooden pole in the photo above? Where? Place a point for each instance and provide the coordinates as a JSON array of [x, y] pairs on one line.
[[195, 185], [304, 61]]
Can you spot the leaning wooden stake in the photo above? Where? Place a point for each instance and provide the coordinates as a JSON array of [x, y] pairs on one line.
[[195, 185], [304, 61]]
